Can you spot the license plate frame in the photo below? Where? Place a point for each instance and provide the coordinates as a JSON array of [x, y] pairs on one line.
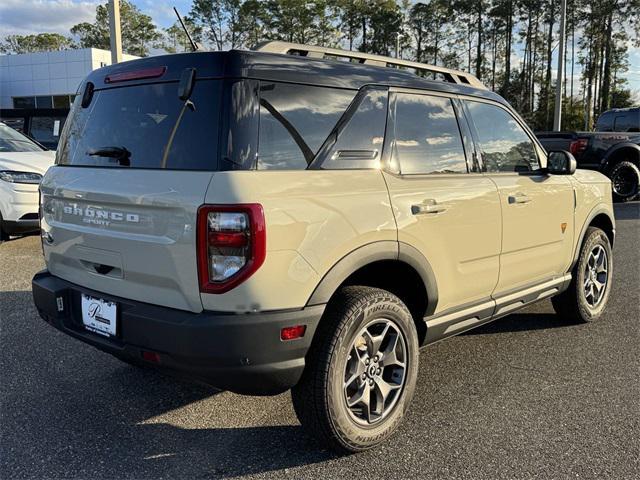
[[99, 316]]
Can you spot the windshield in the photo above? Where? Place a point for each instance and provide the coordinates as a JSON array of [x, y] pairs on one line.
[[13, 141], [145, 126]]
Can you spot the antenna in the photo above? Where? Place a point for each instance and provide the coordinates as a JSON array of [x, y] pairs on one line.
[[194, 45]]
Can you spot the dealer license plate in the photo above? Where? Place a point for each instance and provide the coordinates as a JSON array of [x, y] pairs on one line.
[[99, 315]]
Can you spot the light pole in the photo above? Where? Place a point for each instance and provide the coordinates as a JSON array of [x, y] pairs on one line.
[[557, 116], [114, 31]]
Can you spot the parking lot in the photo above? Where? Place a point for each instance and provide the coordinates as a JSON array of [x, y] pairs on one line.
[[528, 396]]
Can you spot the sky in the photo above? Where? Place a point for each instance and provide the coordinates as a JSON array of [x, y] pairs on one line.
[[24, 17]]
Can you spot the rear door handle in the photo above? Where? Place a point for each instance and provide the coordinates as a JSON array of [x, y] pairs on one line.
[[428, 206], [519, 198]]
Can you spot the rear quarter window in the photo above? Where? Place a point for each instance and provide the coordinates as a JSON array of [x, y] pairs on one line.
[[150, 122], [295, 120]]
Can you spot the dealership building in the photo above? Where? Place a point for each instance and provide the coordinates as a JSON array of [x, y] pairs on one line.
[[37, 89]]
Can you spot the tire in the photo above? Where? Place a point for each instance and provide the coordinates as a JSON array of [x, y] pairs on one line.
[[4, 236], [357, 319], [625, 181], [575, 304]]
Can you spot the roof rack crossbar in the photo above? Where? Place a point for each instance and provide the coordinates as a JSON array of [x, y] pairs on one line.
[[448, 74]]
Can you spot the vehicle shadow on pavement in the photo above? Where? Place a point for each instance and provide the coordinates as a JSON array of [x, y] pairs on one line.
[[627, 211], [523, 322], [70, 411]]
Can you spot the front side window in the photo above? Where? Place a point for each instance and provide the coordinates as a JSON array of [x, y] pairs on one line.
[[504, 144], [295, 120], [427, 136]]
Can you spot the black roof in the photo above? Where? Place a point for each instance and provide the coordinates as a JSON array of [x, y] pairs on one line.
[[282, 68]]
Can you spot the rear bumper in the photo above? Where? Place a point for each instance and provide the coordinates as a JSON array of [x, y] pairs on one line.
[[242, 353], [20, 227]]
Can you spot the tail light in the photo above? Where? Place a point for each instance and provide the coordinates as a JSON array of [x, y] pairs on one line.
[[231, 245], [578, 146]]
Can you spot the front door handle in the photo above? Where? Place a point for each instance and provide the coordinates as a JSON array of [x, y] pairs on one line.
[[519, 198], [428, 206]]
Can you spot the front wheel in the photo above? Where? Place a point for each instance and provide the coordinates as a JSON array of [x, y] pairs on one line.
[[4, 236], [625, 181], [360, 372], [586, 298]]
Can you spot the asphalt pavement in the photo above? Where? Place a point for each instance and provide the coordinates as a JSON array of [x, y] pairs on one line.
[[529, 396]]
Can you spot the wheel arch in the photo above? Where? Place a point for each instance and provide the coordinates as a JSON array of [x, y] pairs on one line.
[[382, 264], [602, 218], [619, 152]]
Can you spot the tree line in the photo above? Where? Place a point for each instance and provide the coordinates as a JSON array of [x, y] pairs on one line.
[[508, 44]]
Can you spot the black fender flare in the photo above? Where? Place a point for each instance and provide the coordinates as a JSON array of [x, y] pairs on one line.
[[374, 252], [597, 210], [606, 161]]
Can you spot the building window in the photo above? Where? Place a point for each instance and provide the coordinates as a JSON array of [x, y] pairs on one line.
[[44, 102], [61, 101], [24, 102]]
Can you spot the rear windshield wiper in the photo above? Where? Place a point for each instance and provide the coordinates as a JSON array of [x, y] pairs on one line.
[[119, 153]]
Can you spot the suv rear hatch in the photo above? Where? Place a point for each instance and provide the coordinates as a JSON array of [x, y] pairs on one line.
[[132, 168]]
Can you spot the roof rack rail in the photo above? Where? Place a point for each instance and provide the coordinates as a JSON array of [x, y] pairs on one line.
[[447, 74]]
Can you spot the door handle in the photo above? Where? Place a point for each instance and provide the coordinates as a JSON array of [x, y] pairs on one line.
[[428, 206], [519, 198]]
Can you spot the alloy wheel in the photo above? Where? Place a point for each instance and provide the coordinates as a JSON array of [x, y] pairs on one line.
[[596, 276], [375, 371]]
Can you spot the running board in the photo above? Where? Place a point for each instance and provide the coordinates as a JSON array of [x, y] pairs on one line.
[[453, 322]]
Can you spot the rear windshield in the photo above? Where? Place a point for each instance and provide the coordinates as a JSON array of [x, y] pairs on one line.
[[145, 126]]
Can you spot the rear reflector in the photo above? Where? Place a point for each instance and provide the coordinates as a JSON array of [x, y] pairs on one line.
[[152, 357], [135, 75], [291, 333]]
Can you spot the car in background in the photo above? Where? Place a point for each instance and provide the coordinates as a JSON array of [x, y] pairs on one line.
[[615, 154], [619, 120], [23, 162]]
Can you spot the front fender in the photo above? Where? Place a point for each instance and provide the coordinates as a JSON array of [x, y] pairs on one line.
[[600, 209]]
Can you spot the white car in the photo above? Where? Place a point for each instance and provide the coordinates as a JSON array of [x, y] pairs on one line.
[[23, 162]]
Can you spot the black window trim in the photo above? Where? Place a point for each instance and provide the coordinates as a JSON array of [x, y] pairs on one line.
[[468, 144], [538, 149]]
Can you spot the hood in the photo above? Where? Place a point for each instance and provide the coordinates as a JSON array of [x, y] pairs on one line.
[[37, 162], [590, 176]]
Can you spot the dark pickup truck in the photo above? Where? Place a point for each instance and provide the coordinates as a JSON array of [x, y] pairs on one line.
[[616, 154]]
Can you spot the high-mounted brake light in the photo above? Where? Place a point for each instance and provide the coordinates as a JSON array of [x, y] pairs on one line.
[[135, 75], [231, 244]]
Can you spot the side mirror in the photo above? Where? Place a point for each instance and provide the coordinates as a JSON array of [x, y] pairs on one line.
[[187, 80], [561, 162]]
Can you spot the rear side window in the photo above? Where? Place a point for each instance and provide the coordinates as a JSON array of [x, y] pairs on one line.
[[605, 123], [627, 122], [295, 120], [360, 133], [427, 136], [504, 144], [145, 126]]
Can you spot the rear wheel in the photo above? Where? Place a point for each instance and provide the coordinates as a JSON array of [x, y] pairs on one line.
[[586, 298], [625, 180], [361, 370]]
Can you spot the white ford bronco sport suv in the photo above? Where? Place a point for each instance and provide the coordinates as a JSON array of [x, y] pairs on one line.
[[275, 219]]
